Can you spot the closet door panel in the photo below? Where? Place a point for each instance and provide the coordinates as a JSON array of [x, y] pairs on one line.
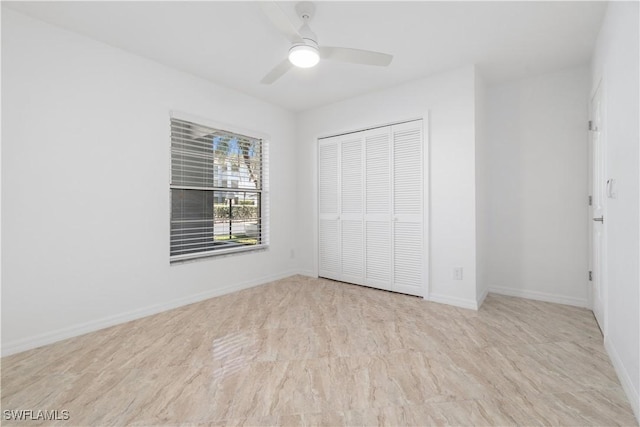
[[407, 171], [329, 241], [378, 255], [408, 197], [352, 252], [377, 174], [351, 176], [407, 258], [351, 201], [328, 177], [377, 217], [330, 257]]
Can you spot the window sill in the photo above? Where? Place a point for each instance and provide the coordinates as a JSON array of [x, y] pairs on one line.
[[179, 259]]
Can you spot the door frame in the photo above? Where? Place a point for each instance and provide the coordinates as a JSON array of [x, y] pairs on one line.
[[426, 200]]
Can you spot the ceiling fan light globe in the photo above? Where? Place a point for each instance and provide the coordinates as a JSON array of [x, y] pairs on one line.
[[304, 56]]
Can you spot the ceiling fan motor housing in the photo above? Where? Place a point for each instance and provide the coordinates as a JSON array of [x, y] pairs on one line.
[[305, 10], [308, 37]]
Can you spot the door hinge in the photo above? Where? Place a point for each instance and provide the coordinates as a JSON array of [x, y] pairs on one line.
[[590, 124], [590, 200], [591, 276]]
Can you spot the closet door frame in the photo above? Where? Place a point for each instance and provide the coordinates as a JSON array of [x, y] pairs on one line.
[[426, 200]]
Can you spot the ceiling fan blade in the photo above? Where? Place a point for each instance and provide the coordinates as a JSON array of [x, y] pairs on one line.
[[356, 56], [281, 21], [277, 72]]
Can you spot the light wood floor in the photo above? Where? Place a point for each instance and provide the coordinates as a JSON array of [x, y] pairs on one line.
[[316, 352]]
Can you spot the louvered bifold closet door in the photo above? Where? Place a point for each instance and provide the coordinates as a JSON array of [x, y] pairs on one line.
[[330, 254], [408, 196], [351, 207], [377, 215]]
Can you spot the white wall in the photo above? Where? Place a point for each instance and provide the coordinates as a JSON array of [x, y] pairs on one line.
[[482, 189], [449, 98], [85, 172], [616, 63], [537, 175]]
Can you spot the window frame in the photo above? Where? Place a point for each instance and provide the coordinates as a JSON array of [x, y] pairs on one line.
[[263, 192]]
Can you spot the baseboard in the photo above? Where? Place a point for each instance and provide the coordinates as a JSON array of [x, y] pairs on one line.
[[625, 379], [539, 296], [481, 298], [308, 273], [39, 340], [455, 301]]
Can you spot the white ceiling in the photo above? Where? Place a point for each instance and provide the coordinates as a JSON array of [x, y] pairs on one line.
[[234, 44]]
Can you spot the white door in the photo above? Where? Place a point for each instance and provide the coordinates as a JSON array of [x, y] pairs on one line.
[[370, 199], [377, 214], [329, 250], [408, 193], [597, 209], [351, 209]]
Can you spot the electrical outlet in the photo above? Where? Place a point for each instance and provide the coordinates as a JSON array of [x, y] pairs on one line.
[[457, 273]]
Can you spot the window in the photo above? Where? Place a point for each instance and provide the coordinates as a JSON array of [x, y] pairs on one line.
[[217, 191]]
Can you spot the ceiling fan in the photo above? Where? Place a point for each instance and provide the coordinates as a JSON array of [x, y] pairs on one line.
[[305, 51]]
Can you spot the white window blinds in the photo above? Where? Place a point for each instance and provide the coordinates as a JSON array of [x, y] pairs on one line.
[[218, 191]]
